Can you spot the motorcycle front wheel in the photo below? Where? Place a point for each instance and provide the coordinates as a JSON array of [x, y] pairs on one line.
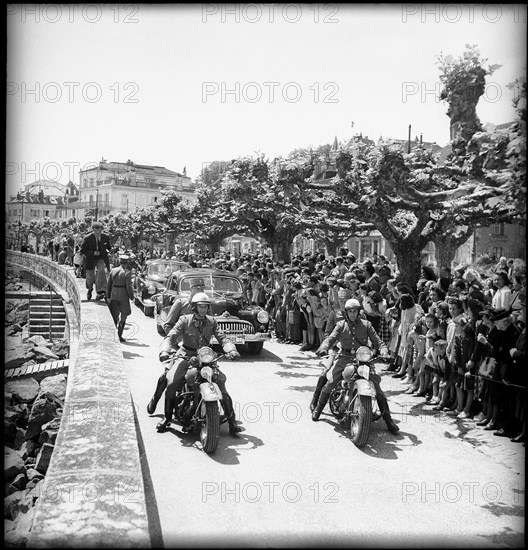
[[210, 430], [360, 414]]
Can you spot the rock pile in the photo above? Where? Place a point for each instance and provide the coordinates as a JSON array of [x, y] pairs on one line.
[[32, 418]]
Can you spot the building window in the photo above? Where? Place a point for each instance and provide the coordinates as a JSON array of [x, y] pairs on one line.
[[522, 230], [124, 200], [106, 199], [46, 213], [92, 181], [154, 199], [91, 200], [34, 213], [497, 229]]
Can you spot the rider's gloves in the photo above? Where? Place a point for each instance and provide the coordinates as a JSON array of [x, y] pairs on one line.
[[320, 351], [163, 356], [233, 354]]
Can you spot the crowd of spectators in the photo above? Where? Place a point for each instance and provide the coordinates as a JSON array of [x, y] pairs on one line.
[[456, 340]]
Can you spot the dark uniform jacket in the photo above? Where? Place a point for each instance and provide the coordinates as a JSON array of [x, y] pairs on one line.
[[352, 336], [89, 246]]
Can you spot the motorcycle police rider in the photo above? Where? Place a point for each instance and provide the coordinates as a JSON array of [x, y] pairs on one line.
[[351, 332], [195, 331]]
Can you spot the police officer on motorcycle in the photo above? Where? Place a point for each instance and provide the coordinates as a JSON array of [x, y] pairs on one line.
[[194, 330], [351, 332]]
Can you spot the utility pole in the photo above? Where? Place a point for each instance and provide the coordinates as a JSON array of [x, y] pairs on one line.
[[409, 140]]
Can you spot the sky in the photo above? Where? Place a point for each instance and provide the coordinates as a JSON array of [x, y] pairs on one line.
[[181, 86]]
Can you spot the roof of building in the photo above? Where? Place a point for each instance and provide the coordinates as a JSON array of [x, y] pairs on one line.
[[48, 187], [131, 167]]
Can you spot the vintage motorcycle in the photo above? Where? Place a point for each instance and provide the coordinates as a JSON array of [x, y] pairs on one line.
[[199, 403], [353, 402]]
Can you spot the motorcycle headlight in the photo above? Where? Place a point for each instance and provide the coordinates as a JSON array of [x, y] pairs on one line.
[[206, 354], [207, 373], [152, 289], [263, 317], [363, 354]]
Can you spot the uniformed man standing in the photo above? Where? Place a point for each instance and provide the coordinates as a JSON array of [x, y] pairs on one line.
[[120, 291]]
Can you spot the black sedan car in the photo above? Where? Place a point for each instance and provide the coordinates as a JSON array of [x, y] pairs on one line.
[[151, 279], [242, 322]]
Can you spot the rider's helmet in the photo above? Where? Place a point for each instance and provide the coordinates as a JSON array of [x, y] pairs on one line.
[[352, 304], [200, 298]]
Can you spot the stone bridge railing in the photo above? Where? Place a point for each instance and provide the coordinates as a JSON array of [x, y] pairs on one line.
[[93, 494]]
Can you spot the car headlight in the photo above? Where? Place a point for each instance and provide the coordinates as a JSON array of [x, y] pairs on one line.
[[363, 354], [263, 317]]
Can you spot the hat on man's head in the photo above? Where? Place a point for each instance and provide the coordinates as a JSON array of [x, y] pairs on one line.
[[196, 282], [500, 315], [124, 258]]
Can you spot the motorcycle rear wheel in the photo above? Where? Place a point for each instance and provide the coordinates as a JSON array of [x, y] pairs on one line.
[[210, 430], [360, 414]]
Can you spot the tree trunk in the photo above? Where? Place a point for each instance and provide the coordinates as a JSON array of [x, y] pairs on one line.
[[280, 246], [408, 260], [446, 246]]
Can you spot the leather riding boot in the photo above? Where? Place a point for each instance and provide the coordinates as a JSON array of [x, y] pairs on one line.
[[391, 426], [169, 407], [160, 388], [323, 400], [227, 404], [320, 383]]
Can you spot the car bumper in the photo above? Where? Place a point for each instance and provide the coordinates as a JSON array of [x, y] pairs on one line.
[[246, 338]]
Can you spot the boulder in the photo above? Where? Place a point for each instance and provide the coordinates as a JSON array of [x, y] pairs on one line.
[[49, 432], [19, 438], [43, 458], [15, 328], [45, 408], [61, 348], [19, 502], [39, 341], [17, 357], [19, 482], [33, 474], [16, 533], [24, 390], [27, 450], [13, 464], [56, 385], [10, 427], [42, 354]]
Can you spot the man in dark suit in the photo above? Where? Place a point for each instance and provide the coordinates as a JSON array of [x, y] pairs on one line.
[[95, 247]]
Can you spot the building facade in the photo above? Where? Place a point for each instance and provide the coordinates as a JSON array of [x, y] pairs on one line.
[[123, 187]]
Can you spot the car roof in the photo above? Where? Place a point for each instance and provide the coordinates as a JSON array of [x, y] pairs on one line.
[[201, 271]]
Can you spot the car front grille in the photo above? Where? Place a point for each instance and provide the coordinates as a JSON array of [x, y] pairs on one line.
[[236, 327]]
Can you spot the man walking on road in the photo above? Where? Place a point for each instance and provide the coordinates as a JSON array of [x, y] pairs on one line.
[[121, 292], [95, 247]]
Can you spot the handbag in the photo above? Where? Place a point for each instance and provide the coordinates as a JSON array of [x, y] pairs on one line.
[[487, 367]]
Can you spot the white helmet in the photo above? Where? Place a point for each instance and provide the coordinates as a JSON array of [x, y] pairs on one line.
[[201, 298], [352, 304]]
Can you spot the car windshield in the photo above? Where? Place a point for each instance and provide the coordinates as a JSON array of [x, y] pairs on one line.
[[164, 269], [213, 284]]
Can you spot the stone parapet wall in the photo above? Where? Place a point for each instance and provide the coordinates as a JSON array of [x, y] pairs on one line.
[[93, 495]]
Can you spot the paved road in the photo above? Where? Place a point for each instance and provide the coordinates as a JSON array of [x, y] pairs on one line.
[[287, 481]]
